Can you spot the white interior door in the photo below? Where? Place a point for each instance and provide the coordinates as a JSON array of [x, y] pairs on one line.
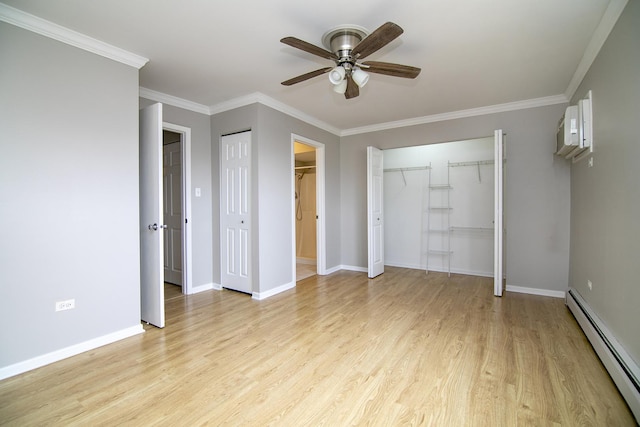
[[151, 220], [498, 252], [235, 236], [172, 174], [375, 214]]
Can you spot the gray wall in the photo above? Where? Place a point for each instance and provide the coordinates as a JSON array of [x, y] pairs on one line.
[[68, 195], [271, 188], [605, 199], [536, 190], [201, 235]]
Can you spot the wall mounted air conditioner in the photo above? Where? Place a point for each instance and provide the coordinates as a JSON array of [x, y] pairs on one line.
[[575, 132], [567, 138]]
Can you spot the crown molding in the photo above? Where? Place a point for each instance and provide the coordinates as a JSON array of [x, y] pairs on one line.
[[481, 111], [600, 35], [174, 101], [263, 99], [46, 28]]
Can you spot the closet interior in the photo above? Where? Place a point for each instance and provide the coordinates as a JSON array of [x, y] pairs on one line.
[[438, 204], [305, 210]]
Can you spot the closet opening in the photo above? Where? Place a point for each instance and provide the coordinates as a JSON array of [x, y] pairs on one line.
[[439, 207]]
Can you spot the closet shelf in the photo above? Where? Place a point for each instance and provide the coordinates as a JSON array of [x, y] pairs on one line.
[[437, 252], [437, 230], [440, 208], [440, 187], [476, 229]]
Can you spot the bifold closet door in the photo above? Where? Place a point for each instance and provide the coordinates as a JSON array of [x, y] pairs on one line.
[[375, 214], [498, 253], [235, 218]]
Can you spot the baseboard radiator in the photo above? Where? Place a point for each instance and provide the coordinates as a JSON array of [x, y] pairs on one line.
[[621, 367]]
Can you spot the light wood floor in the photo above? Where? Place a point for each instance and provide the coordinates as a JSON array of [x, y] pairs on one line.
[[402, 349]]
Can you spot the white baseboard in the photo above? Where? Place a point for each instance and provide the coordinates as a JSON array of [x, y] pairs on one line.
[[64, 353], [453, 270], [353, 268], [332, 270], [535, 291], [624, 371], [274, 291], [205, 287]]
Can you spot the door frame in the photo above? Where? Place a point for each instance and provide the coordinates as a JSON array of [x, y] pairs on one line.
[[321, 258], [186, 241]]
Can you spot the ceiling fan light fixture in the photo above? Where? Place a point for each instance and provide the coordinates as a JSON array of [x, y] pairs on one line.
[[360, 77], [340, 87], [337, 75]]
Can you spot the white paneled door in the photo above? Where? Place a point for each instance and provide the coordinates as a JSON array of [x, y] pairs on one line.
[[235, 219], [172, 174], [151, 219], [375, 214], [498, 253]]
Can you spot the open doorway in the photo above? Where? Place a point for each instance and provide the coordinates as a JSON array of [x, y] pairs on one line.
[[305, 209], [308, 242]]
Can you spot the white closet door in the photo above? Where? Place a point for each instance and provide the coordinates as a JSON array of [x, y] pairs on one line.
[[235, 220], [375, 214], [498, 252]]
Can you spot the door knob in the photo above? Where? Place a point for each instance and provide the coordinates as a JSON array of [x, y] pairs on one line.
[[156, 226]]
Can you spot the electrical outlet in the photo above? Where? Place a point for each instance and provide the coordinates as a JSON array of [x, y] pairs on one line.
[[589, 284], [65, 305]]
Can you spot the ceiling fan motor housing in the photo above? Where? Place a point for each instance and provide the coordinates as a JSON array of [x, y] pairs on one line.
[[341, 41]]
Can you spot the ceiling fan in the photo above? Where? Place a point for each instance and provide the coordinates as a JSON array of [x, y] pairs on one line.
[[348, 44]]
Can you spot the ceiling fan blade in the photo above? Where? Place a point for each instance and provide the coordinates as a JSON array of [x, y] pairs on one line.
[[306, 76], [382, 36], [352, 88], [390, 69], [309, 48]]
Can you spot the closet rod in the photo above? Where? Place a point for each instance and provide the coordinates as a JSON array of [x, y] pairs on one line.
[[473, 163], [417, 168], [304, 167]]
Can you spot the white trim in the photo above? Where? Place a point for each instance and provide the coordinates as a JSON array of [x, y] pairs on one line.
[[187, 229], [263, 99], [535, 291], [332, 270], [453, 270], [604, 343], [173, 101], [352, 268], [274, 291], [260, 98], [57, 32], [205, 287], [64, 353], [481, 111], [600, 35]]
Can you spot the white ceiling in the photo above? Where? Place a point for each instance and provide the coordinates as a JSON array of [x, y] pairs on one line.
[[473, 53]]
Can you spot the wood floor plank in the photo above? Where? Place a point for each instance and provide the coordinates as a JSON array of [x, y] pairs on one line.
[[405, 348]]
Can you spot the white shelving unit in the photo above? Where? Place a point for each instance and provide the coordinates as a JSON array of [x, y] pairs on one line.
[[442, 211]]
